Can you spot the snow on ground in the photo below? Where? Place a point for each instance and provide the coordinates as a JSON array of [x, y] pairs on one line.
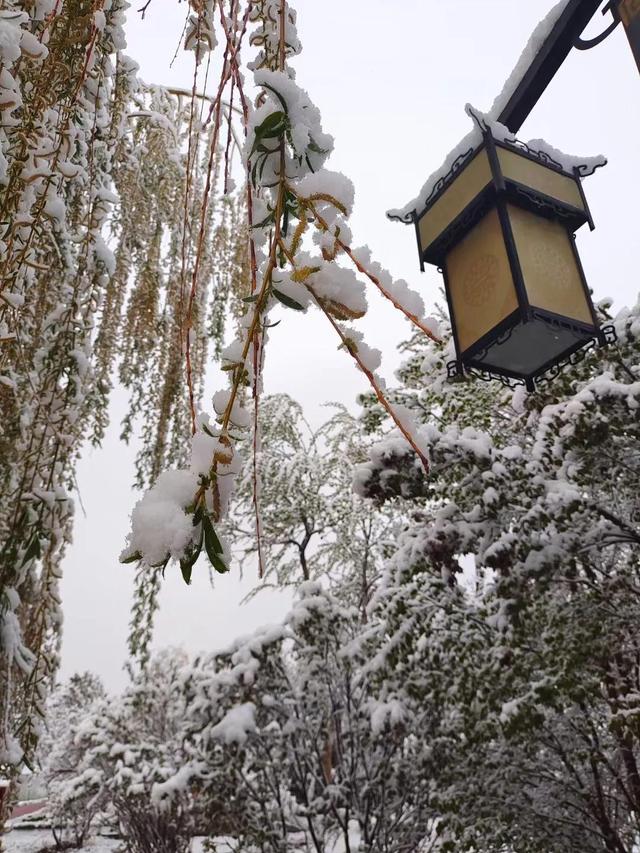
[[35, 840]]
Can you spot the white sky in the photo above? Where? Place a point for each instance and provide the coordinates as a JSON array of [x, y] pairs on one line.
[[391, 81]]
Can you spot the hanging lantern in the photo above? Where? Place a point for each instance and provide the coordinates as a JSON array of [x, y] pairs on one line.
[[501, 228]]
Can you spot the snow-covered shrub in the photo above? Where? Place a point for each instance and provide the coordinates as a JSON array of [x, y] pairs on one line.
[[72, 806], [282, 732], [129, 745], [507, 618]]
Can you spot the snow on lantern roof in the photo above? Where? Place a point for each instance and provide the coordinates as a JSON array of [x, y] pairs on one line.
[[473, 140]]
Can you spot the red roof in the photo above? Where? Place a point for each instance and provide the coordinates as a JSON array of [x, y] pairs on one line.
[[28, 808]]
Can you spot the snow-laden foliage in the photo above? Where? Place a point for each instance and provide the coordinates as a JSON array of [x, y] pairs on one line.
[[102, 179], [490, 701], [285, 720], [314, 527], [275, 741], [72, 808], [524, 668], [300, 257], [127, 747]]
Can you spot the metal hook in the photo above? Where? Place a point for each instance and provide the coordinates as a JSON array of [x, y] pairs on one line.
[[587, 44]]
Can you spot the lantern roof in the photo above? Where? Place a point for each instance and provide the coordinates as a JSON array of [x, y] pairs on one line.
[[466, 149], [547, 48], [541, 179]]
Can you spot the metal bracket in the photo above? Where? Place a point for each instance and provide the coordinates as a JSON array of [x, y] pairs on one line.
[[607, 335], [572, 22], [587, 44], [582, 44]]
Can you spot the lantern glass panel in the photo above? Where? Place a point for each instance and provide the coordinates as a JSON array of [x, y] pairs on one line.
[[469, 183], [480, 281], [549, 266], [529, 347], [517, 167]]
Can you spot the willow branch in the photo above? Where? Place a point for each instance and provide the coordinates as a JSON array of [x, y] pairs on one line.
[[374, 279]]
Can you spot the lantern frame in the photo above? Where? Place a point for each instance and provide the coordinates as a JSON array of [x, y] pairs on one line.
[[498, 186]]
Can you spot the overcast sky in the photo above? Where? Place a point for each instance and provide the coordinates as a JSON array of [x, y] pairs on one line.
[[391, 81]]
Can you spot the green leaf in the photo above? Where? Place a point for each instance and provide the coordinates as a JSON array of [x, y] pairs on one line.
[[218, 564], [134, 558], [286, 300], [272, 126], [268, 220], [262, 166], [313, 146], [213, 547], [33, 550], [186, 568], [252, 298], [210, 535], [278, 96], [187, 563]]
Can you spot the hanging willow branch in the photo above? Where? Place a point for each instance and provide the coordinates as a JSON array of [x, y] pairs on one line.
[[94, 173], [293, 202]]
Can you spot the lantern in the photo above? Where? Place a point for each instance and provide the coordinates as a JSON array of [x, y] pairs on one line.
[[501, 228]]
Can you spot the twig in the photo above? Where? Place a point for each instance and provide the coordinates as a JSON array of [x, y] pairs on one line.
[[375, 280], [368, 373], [374, 384], [185, 93]]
